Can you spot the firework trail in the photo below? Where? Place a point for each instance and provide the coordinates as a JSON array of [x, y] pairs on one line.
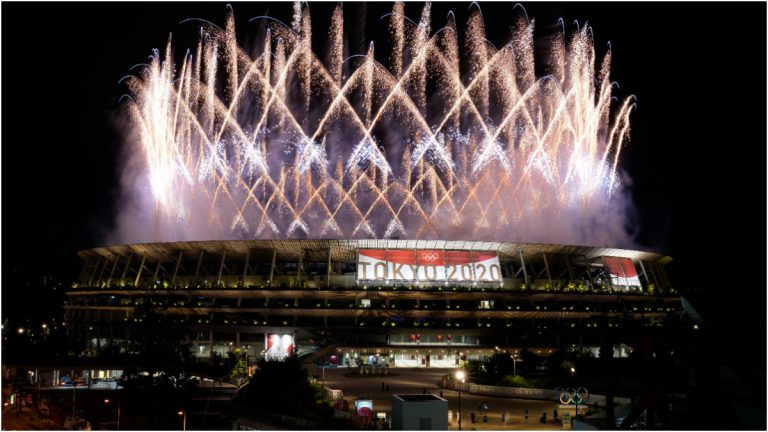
[[282, 144]]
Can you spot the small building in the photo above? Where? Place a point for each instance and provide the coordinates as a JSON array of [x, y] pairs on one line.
[[419, 412]]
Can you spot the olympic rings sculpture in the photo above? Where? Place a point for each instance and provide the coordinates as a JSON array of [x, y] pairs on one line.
[[572, 396]]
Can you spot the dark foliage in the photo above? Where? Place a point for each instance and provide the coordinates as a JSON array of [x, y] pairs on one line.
[[158, 379], [283, 387]]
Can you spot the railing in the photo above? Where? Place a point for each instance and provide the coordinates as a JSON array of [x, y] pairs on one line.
[[464, 306], [182, 290]]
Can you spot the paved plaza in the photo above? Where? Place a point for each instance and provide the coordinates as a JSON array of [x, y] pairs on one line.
[[415, 381]]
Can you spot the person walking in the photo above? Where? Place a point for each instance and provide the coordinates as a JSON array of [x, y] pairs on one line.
[[526, 415]]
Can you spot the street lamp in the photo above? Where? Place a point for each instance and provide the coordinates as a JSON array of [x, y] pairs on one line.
[[74, 393], [184, 414], [459, 379], [514, 364], [247, 366], [119, 405]]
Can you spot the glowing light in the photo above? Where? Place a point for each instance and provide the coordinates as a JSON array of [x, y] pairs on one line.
[[286, 145]]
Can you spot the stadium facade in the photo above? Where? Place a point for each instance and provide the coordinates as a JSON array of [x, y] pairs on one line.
[[378, 302]]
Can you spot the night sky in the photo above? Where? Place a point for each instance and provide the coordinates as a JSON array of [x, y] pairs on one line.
[[698, 133]]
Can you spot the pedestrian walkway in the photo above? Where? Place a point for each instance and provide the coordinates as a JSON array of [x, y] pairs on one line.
[[418, 381]]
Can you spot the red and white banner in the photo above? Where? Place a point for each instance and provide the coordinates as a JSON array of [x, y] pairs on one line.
[[428, 265], [364, 407], [279, 347], [622, 271]]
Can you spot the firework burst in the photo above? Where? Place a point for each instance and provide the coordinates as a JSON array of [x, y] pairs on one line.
[[278, 143]]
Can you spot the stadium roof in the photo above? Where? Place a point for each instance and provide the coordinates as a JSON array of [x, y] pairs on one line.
[[345, 250]]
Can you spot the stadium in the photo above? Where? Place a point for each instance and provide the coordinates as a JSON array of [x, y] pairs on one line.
[[294, 146], [394, 303]]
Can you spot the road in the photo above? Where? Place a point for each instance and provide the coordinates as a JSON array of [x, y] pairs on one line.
[[415, 381]]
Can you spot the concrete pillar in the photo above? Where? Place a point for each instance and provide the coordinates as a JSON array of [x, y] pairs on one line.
[[157, 272], [112, 273], [272, 268], [221, 268], [199, 263], [525, 272], [127, 266], [176, 269], [94, 271], [546, 266], [298, 269], [138, 274]]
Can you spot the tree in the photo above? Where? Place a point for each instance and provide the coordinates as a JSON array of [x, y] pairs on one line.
[[283, 387], [239, 367], [499, 365], [158, 379], [528, 362]]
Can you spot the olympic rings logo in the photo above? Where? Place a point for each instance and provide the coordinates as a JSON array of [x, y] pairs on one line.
[[571, 396], [429, 256]]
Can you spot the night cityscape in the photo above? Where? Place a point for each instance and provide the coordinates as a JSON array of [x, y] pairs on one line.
[[408, 216]]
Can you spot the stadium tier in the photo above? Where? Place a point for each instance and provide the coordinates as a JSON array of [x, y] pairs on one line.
[[394, 302]]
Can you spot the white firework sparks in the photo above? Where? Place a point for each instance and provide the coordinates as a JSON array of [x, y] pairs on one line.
[[278, 143]]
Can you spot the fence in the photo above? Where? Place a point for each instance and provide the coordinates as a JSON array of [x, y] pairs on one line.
[[531, 393]]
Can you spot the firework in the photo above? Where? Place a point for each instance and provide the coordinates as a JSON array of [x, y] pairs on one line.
[[279, 144]]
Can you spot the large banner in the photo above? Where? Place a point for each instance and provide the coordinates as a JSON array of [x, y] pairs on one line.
[[428, 265], [364, 407], [279, 347], [622, 271]]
